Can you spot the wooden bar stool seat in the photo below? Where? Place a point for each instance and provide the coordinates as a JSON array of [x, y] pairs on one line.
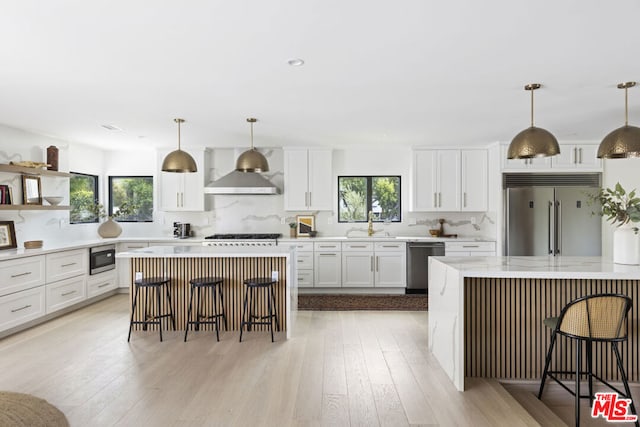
[[214, 284], [149, 318], [252, 287]]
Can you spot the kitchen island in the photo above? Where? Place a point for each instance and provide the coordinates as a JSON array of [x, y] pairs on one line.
[[234, 264], [486, 313]]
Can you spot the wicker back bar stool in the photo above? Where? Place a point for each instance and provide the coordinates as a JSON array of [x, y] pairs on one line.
[[590, 319]]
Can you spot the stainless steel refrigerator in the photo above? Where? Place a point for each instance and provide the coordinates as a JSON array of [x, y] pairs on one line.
[[552, 221]]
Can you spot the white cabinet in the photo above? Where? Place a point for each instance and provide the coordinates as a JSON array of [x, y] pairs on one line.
[[20, 307], [327, 265], [390, 260], [65, 264], [357, 265], [474, 180], [183, 191], [100, 283], [470, 248], [123, 265], [22, 291], [307, 179], [436, 180], [65, 293], [304, 252], [66, 278], [22, 273], [577, 156], [541, 163]]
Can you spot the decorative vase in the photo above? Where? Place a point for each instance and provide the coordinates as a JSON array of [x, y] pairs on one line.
[[626, 245], [109, 228], [292, 233], [52, 158]]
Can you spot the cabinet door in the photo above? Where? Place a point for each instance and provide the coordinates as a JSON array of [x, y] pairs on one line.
[[541, 163], [182, 191], [65, 293], [193, 191], [20, 307], [587, 157], [567, 158], [320, 180], [21, 273], [295, 180], [100, 283], [328, 266], [65, 264], [474, 180], [171, 185], [424, 190], [357, 269], [390, 269], [448, 180]]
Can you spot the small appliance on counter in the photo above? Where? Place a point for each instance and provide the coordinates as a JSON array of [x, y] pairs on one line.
[[181, 230]]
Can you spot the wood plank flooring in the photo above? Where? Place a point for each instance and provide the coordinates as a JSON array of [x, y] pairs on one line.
[[338, 369]]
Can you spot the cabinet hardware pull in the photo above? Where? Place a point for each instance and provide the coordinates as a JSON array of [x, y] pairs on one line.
[[327, 254], [390, 246], [64, 294], [103, 285], [309, 198], [300, 260], [21, 308], [580, 153], [177, 200], [464, 199], [182, 200], [326, 246], [68, 265], [21, 274], [358, 246], [435, 200], [439, 200], [575, 155], [470, 246], [371, 262], [377, 263]]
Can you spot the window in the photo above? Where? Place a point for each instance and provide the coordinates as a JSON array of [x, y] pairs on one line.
[[83, 195], [131, 198], [359, 195]]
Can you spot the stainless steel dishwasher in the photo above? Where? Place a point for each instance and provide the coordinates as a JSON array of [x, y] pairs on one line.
[[418, 264]]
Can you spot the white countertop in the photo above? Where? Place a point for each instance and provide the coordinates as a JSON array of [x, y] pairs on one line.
[[540, 267], [207, 251]]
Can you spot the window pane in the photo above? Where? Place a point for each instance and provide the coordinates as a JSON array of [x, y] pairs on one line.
[[352, 199], [385, 198], [83, 196], [131, 198]]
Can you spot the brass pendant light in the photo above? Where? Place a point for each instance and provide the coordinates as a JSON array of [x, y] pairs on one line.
[[625, 141], [252, 160], [178, 160], [533, 141]]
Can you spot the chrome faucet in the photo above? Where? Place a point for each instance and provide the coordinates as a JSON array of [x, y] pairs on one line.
[[370, 228]]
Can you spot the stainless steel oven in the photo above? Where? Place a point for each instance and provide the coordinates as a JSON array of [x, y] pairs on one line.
[[102, 258]]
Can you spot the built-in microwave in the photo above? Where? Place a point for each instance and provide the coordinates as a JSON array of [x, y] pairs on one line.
[[102, 258]]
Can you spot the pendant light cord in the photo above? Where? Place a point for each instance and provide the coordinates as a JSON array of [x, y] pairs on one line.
[[178, 135], [626, 106], [251, 135], [532, 107]]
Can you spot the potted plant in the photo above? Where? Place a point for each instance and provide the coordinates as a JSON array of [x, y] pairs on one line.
[[622, 209], [292, 229], [110, 228]]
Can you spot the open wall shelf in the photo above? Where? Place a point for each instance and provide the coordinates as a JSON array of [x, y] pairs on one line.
[[32, 171]]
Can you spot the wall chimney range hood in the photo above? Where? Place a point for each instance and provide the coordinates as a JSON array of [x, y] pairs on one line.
[[238, 182]]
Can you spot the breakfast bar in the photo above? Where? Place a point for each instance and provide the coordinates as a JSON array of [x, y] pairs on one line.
[[180, 264], [486, 313]]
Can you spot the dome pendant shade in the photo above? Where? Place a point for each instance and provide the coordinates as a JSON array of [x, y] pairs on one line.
[[252, 160], [533, 141], [178, 160], [625, 141]]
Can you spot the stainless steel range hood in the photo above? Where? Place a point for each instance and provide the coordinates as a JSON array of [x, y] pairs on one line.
[[241, 183]]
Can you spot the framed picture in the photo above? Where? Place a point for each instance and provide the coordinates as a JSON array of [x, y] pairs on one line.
[[306, 224], [7, 235], [31, 191]]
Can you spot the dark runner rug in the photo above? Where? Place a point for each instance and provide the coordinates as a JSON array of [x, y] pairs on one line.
[[363, 302]]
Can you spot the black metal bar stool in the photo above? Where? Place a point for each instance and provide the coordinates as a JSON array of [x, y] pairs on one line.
[[252, 287], [590, 319], [156, 283], [214, 284]]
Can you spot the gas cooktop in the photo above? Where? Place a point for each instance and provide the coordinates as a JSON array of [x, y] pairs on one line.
[[244, 236]]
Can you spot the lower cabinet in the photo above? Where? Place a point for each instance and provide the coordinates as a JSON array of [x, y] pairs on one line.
[[65, 293], [357, 269], [470, 248], [98, 284], [21, 307], [304, 252], [390, 265], [327, 265]]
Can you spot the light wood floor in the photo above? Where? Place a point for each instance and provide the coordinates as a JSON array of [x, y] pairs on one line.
[[339, 368]]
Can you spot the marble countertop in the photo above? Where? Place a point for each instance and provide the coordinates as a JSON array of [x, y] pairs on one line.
[[206, 251], [541, 267]]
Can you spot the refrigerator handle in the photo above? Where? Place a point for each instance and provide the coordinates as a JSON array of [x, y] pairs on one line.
[[550, 227], [558, 227]]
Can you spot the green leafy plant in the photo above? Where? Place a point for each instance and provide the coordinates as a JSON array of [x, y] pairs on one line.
[[618, 206], [292, 225], [125, 210]]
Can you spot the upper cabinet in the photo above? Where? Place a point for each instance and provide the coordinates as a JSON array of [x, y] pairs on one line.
[[436, 180], [572, 156], [475, 183], [307, 179], [183, 191]]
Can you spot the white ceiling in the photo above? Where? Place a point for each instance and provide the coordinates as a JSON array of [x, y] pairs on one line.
[[377, 72]]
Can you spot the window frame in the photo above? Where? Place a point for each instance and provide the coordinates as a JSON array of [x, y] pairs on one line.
[[110, 190], [369, 197], [96, 192]]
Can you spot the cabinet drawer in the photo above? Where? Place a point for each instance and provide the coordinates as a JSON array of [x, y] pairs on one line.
[[101, 283], [20, 307], [390, 246], [65, 293], [326, 246], [20, 274], [62, 265], [305, 260], [303, 246], [305, 278], [357, 246], [469, 247]]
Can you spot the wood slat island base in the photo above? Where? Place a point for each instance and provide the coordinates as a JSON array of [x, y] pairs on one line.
[[183, 265], [486, 314]]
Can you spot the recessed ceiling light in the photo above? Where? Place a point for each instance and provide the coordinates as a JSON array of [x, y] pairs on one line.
[[295, 62], [111, 127]]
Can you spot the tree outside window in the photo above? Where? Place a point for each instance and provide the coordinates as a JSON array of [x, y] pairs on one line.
[[133, 193], [357, 195], [83, 196]]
